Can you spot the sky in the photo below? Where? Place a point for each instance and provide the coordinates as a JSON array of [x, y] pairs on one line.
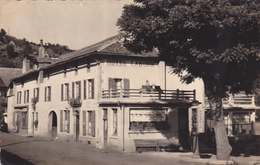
[[77, 23]]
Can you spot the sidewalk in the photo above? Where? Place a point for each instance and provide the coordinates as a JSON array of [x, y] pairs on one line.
[[37, 150]]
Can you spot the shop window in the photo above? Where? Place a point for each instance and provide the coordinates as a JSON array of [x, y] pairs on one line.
[[65, 121], [115, 122], [147, 120], [91, 123], [47, 94], [91, 88], [238, 123]]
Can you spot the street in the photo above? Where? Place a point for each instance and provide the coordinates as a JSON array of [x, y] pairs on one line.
[[17, 149]]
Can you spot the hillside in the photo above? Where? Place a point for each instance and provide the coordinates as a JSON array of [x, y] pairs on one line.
[[13, 50]]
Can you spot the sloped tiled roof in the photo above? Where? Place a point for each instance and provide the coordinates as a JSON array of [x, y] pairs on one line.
[[7, 74], [2, 84], [110, 46]]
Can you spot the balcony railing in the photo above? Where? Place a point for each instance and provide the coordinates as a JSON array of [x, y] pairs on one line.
[[239, 99], [189, 95]]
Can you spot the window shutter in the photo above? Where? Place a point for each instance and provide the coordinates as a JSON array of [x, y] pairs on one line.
[[24, 99], [38, 94], [61, 92], [92, 89], [45, 96], [68, 94], [84, 123], [110, 83], [61, 120], [93, 123], [84, 90], [72, 89], [126, 87], [14, 121], [49, 93], [79, 90], [68, 130]]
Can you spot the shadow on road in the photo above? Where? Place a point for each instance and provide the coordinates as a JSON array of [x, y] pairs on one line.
[[22, 142], [8, 158]]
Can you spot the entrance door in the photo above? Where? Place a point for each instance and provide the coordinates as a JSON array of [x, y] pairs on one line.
[[183, 128], [77, 127], [53, 125]]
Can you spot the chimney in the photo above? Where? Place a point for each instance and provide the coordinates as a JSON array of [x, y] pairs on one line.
[[26, 65], [41, 50]]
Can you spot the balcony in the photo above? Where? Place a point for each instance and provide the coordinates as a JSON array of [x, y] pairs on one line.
[[155, 94], [241, 99]]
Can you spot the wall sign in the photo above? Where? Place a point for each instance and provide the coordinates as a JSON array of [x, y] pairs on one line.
[[147, 115], [201, 120], [123, 62]]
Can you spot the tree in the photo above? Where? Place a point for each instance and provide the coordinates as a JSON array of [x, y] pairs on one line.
[[2, 32], [10, 51], [217, 41]]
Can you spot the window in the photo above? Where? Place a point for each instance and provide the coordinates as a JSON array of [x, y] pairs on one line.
[[78, 89], [84, 127], [65, 92], [47, 94], [36, 93], [114, 122], [65, 121], [116, 84], [91, 123], [91, 88], [19, 97], [26, 96]]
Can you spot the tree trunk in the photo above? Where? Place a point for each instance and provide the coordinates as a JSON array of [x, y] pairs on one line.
[[223, 147]]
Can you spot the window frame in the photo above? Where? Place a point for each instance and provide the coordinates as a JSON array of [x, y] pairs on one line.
[[91, 88], [115, 122], [47, 97]]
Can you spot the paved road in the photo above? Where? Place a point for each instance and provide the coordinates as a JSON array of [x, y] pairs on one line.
[[32, 150], [22, 150]]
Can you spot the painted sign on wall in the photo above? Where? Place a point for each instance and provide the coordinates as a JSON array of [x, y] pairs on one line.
[[200, 120], [147, 115]]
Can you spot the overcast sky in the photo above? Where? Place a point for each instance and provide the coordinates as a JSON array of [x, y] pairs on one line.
[[76, 24]]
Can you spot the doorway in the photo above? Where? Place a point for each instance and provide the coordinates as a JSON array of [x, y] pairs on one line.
[[105, 122], [77, 127], [183, 128], [52, 125]]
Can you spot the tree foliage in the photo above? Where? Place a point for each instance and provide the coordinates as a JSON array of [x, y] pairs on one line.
[[13, 50], [214, 40], [10, 51], [217, 41]]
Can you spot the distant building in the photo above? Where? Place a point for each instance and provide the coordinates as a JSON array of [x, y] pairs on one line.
[[6, 75], [106, 96]]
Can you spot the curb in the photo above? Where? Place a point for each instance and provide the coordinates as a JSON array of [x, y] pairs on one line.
[[212, 161]]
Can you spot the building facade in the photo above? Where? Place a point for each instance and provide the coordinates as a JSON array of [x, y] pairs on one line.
[[105, 96]]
